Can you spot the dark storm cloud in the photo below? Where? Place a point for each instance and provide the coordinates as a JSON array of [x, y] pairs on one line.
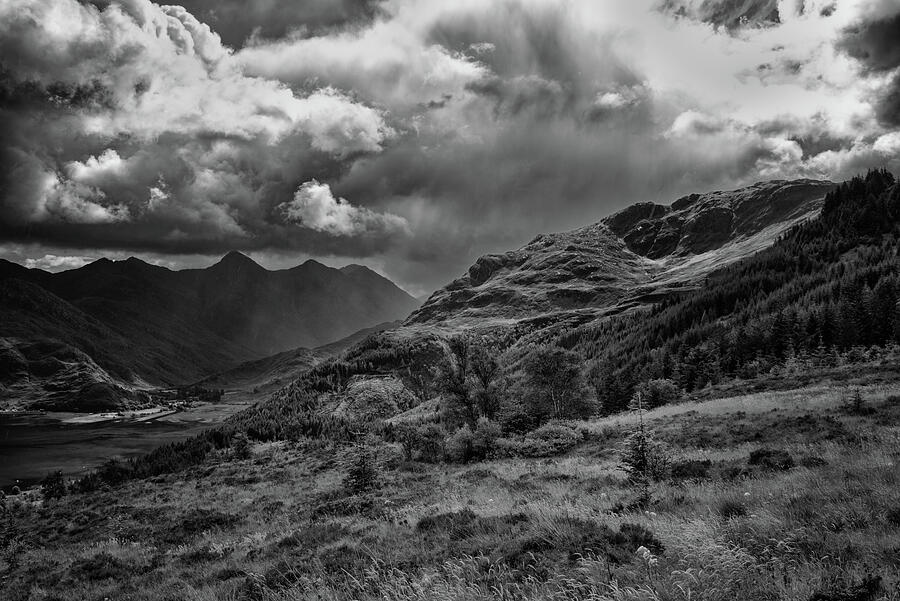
[[236, 21], [875, 42]]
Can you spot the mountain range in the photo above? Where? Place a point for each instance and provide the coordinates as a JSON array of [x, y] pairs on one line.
[[91, 333], [130, 323]]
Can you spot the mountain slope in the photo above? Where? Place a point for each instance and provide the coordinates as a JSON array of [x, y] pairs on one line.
[[46, 353], [633, 256], [828, 286], [147, 323]]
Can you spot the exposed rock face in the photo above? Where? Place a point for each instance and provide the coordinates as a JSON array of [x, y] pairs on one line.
[[634, 255], [487, 265], [701, 222]]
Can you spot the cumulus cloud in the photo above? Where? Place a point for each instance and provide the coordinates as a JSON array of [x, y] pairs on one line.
[[888, 144], [315, 207], [102, 103]]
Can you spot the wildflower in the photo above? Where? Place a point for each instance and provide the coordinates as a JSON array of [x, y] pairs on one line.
[[647, 556]]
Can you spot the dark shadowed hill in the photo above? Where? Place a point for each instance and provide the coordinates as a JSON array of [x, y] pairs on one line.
[[634, 256], [141, 323]]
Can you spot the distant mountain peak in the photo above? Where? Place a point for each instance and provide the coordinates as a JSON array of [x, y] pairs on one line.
[[134, 261], [238, 260]]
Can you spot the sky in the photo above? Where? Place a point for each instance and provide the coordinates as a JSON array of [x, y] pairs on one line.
[[413, 136]]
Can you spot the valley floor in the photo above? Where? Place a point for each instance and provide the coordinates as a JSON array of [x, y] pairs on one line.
[[815, 516]]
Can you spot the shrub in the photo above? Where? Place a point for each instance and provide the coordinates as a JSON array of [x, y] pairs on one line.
[[559, 437], [636, 536], [731, 507], [771, 459], [691, 469], [362, 472], [812, 461], [460, 445], [514, 415], [554, 385], [656, 393], [485, 438], [53, 486], [409, 439], [240, 446], [430, 442], [546, 441]]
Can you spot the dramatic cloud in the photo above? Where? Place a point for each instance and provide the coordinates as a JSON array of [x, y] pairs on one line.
[[454, 128], [315, 207], [137, 115]]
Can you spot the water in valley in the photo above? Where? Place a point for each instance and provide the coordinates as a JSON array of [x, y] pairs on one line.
[[33, 444]]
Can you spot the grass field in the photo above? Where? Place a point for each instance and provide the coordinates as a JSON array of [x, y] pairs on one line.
[[815, 515]]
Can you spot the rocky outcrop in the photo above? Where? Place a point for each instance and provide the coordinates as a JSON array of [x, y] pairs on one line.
[[702, 222]]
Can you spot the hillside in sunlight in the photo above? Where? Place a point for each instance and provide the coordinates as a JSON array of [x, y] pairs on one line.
[[631, 258]]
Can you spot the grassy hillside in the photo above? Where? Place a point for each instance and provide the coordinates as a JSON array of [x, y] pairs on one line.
[[783, 495]]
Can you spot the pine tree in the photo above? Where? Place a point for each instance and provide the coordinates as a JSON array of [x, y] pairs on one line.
[[362, 472]]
